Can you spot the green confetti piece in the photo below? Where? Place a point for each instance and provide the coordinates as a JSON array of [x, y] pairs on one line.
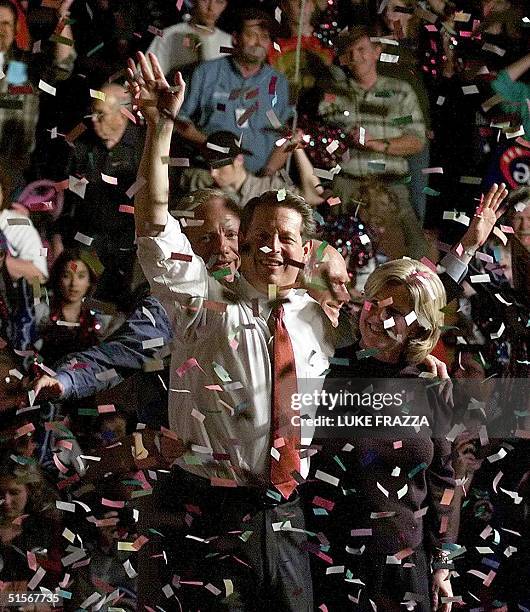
[[349, 575], [95, 49], [151, 530], [444, 328], [431, 192], [62, 40], [320, 251], [132, 483], [417, 470], [141, 493], [219, 274], [64, 594], [222, 374], [403, 120], [93, 261], [192, 459], [23, 460], [365, 353], [376, 166], [341, 361], [341, 465], [385, 93], [274, 495], [320, 512], [245, 535], [87, 411]]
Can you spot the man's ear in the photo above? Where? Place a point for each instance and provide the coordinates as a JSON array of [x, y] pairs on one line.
[[235, 39], [378, 50], [239, 160], [308, 248]]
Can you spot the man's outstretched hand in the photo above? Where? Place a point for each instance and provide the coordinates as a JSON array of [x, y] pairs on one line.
[[151, 92], [486, 215], [47, 387]]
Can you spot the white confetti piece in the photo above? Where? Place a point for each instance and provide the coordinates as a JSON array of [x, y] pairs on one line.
[[388, 323], [332, 480], [66, 506], [106, 375], [198, 415], [135, 187], [83, 238], [480, 278], [469, 89], [47, 88], [152, 343], [382, 489], [110, 180], [498, 334], [410, 318], [389, 58], [403, 491]]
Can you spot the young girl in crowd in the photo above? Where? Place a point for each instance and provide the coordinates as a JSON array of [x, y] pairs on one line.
[[69, 325]]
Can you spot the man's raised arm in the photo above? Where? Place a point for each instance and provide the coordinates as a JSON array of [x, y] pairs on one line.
[[160, 105]]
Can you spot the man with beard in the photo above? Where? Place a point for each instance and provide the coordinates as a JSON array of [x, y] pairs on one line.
[[238, 93]]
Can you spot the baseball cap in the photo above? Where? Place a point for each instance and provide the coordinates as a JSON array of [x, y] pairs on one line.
[[222, 148]]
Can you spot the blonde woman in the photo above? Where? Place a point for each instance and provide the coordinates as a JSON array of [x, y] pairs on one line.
[[397, 510]]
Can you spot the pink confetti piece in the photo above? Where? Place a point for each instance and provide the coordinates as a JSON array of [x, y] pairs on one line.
[[459, 250], [187, 365], [447, 497], [507, 229], [233, 344], [367, 306], [222, 482], [125, 208], [61, 467], [398, 444], [213, 387], [112, 503], [437, 170], [106, 408], [128, 114], [334, 201], [403, 554], [25, 429], [427, 262], [323, 503], [64, 444], [139, 542]]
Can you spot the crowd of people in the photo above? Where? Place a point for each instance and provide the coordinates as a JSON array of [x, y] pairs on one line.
[[218, 216]]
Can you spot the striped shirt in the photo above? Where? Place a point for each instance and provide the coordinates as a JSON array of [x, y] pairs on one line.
[[389, 109]]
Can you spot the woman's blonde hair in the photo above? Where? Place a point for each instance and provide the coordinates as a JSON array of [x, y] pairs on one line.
[[428, 296]]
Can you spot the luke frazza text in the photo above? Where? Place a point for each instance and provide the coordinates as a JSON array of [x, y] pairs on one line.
[[370, 420], [346, 399]]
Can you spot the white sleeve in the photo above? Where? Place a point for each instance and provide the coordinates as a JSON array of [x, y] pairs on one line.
[[179, 285], [24, 241]]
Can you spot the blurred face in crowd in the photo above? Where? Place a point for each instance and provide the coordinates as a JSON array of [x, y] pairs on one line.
[[361, 58], [328, 285], [75, 281], [207, 12], [494, 6], [396, 20], [7, 28], [107, 119], [216, 240], [253, 44], [391, 340], [279, 229], [521, 226], [15, 498], [229, 175]]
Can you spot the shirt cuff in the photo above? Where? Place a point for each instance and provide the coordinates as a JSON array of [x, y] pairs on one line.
[[67, 381], [454, 267]]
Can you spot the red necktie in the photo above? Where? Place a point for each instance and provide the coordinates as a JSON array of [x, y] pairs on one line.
[[285, 436]]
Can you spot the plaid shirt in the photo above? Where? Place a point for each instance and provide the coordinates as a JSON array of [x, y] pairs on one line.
[[389, 109], [19, 103]]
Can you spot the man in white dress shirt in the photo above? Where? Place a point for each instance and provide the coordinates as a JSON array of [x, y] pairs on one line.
[[220, 386], [188, 43]]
